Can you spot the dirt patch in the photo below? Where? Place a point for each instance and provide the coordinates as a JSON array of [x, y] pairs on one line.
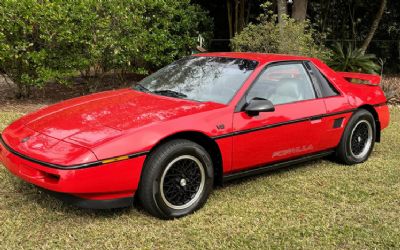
[[391, 86]]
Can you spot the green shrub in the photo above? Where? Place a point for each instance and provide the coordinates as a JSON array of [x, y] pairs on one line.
[[32, 42], [351, 59], [49, 40], [287, 37]]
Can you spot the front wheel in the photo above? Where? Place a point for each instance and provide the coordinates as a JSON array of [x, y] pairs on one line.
[[358, 138], [176, 179]]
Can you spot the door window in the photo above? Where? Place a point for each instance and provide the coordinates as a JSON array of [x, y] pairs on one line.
[[283, 83]]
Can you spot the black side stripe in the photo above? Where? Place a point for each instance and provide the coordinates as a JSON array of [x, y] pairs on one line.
[[62, 167], [241, 132], [317, 117]]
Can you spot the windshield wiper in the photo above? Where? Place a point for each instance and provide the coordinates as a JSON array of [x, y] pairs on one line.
[[140, 87], [170, 93], [165, 92]]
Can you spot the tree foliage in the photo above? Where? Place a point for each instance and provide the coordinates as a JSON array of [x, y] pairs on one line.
[[43, 40]]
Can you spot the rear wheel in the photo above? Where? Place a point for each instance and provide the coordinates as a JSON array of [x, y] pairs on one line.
[[176, 179], [358, 138]]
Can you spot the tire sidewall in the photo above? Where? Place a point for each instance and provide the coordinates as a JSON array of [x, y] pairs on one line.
[[196, 151], [358, 116]]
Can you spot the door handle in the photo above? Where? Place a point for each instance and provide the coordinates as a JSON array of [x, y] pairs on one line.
[[316, 119]]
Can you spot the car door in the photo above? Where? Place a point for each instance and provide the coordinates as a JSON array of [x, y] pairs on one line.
[[293, 129]]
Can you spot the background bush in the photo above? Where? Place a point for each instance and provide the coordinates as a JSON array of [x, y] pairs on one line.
[[50, 40], [351, 59], [298, 38], [287, 37]]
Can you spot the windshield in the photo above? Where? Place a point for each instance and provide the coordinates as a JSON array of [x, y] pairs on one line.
[[215, 79]]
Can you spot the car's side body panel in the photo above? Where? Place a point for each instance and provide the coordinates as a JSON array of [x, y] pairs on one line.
[[383, 115], [291, 130], [334, 126], [226, 149]]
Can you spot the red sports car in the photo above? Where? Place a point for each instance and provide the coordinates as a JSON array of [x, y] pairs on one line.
[[202, 120]]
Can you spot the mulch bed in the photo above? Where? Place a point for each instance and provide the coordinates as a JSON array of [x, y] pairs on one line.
[[54, 92]]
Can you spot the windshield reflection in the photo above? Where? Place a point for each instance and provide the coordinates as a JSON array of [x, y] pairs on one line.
[[199, 78]]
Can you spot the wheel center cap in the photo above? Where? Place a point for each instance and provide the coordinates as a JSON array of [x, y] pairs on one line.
[[182, 182], [359, 139]]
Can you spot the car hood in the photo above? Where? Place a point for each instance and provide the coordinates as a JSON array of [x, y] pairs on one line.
[[45, 148], [94, 119]]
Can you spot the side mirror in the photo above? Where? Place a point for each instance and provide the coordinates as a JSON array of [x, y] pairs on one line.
[[257, 105]]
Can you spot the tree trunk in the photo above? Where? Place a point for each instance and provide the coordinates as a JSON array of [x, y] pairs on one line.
[[236, 17], [299, 10], [282, 9], [242, 15], [374, 26], [327, 9], [229, 12], [352, 24]]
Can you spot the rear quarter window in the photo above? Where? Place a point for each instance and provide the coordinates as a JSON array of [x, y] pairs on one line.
[[327, 87]]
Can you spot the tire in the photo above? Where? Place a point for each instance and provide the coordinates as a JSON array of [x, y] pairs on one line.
[[358, 138], [176, 180]]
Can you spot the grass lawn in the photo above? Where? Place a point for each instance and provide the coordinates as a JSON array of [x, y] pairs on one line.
[[320, 204]]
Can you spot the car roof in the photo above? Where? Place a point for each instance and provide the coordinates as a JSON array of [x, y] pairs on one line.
[[260, 57]]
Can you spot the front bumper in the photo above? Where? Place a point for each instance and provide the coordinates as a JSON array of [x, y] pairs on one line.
[[92, 204], [104, 186]]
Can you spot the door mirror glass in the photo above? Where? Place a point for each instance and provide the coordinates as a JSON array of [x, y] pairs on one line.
[[257, 105]]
